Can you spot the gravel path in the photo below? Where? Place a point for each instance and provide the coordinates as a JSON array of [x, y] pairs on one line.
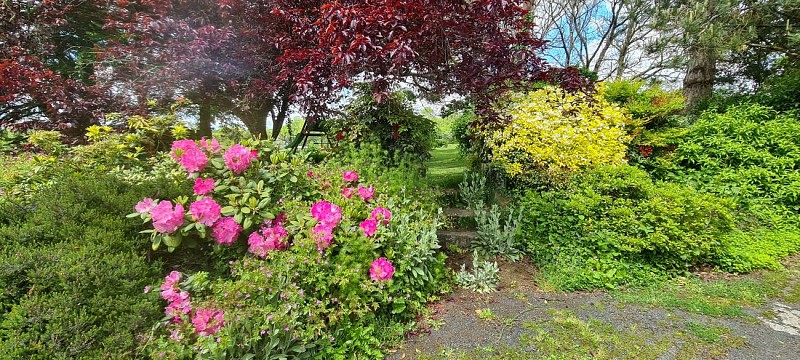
[[461, 328]]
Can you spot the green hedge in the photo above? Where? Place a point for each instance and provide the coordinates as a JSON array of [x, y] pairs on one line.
[[73, 271]]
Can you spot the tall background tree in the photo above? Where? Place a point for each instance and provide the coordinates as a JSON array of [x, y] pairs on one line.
[[259, 58], [48, 77]]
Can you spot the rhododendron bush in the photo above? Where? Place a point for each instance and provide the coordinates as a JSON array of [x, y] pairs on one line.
[[316, 255]]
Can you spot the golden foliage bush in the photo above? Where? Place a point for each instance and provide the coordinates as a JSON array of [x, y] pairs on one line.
[[553, 130]]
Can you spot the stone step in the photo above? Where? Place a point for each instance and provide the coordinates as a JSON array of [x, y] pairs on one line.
[[460, 238], [456, 212]]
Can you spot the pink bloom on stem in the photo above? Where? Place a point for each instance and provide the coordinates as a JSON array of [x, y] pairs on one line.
[[226, 230], [165, 219], [380, 213], [145, 205], [170, 280], [348, 192], [212, 146], [350, 176], [310, 174], [203, 186], [369, 226], [205, 211], [208, 322], [238, 158], [366, 193], [179, 147], [381, 270], [268, 239], [323, 235], [189, 155], [326, 213], [179, 304]]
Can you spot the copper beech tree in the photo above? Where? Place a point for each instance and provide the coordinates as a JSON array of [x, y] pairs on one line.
[[257, 59]]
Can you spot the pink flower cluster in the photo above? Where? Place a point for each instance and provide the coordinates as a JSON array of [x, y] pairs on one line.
[[328, 216], [238, 158], [366, 193], [268, 239], [226, 230], [381, 270], [179, 302], [212, 146], [205, 211], [189, 155], [370, 225], [350, 176], [206, 322], [203, 186], [166, 219], [145, 206]]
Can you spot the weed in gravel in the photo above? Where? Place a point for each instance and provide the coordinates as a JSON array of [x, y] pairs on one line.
[[718, 298]]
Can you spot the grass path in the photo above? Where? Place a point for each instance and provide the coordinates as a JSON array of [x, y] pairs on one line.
[[446, 167]]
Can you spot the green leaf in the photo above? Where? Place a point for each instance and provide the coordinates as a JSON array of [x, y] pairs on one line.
[[247, 223], [227, 210]]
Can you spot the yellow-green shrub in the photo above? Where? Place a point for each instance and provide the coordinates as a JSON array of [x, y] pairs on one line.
[[554, 130]]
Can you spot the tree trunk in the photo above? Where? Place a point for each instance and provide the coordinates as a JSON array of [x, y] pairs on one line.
[[280, 118], [256, 121], [204, 126], [698, 83]]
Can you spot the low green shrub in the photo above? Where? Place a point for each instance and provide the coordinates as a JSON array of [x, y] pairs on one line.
[[73, 271], [750, 153], [648, 104], [615, 224]]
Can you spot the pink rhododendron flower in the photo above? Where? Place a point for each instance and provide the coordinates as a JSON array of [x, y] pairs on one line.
[[212, 146], [189, 155], [366, 193], [238, 158], [205, 211], [350, 176], [326, 213], [165, 219], [171, 280], [380, 213], [178, 305], [381, 270], [369, 226], [226, 230], [348, 192], [179, 301], [268, 239], [208, 322], [179, 147], [203, 186], [145, 205], [323, 235]]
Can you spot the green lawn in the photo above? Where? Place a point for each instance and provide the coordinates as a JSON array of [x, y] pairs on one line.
[[446, 167]]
